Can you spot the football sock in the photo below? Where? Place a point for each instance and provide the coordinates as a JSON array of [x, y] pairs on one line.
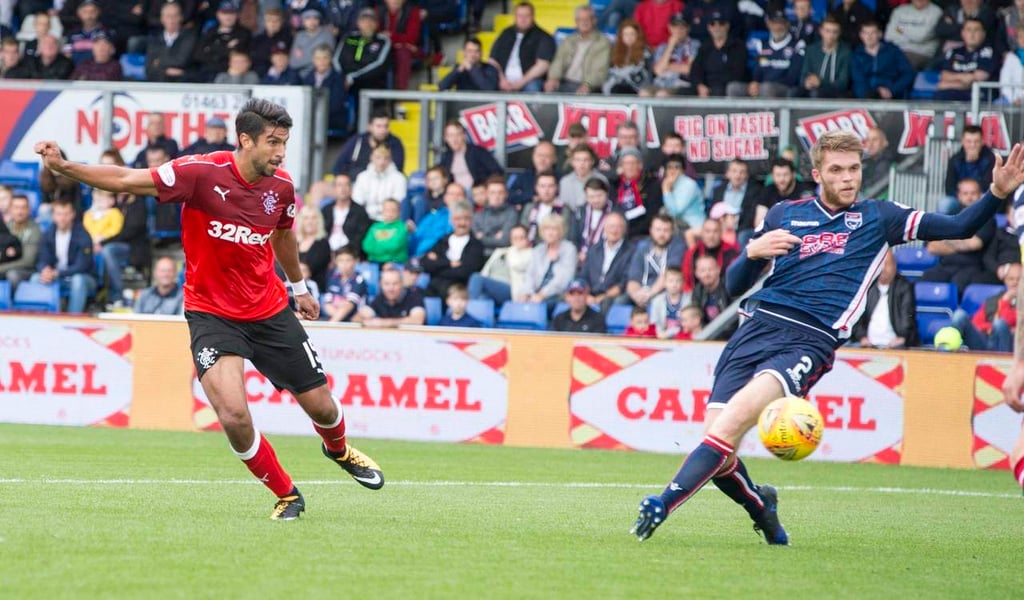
[[700, 466], [333, 434], [735, 483], [263, 464], [1018, 472]]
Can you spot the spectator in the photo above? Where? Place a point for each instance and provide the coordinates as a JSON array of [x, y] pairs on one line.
[[364, 56], [889, 319], [213, 49], [803, 26], [962, 261], [729, 218], [956, 14], [673, 61], [492, 224], [103, 221], [432, 211], [912, 29], [666, 307], [646, 277], [580, 65], [239, 71], [546, 202], [961, 67], [345, 221], [342, 16], [82, 36], [354, 156], [314, 249], [709, 244], [276, 36], [50, 63], [346, 289], [580, 318], [630, 70], [777, 63], [738, 191], [280, 72], [156, 135], [503, 274], [154, 14], [130, 247], [1005, 247], [1011, 21], [710, 294], [395, 305], [66, 259], [323, 76], [784, 186], [1011, 76], [640, 324], [851, 15], [12, 64], [878, 157], [312, 35], [879, 69], [825, 69], [701, 13], [672, 143], [684, 200], [479, 196], [552, 265], [169, 51], [974, 160], [102, 64], [522, 53], [586, 226], [575, 136], [400, 22], [214, 139], [455, 257], [22, 226], [582, 159], [720, 68], [614, 12], [472, 74], [468, 164], [521, 186], [993, 325], [37, 25], [652, 16], [627, 135], [637, 195], [165, 296], [6, 197], [606, 266], [457, 300], [381, 180], [166, 216], [386, 241]]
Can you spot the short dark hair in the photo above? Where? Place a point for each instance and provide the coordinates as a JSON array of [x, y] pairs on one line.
[[550, 174], [674, 158], [831, 19], [671, 135], [62, 201], [439, 169], [973, 129], [664, 217], [870, 23], [494, 180], [380, 113], [257, 114], [457, 289], [349, 250], [783, 162], [976, 20], [638, 310], [473, 40], [596, 183], [673, 270], [584, 148]]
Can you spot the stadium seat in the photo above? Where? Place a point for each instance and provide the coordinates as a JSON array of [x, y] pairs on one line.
[[523, 315], [371, 275], [925, 85], [933, 295], [19, 174], [928, 324], [433, 307], [482, 310], [560, 308], [133, 66], [5, 295], [913, 262], [39, 297], [417, 183], [976, 294], [617, 319], [423, 280]]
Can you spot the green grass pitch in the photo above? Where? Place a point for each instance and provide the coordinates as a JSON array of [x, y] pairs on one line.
[[95, 513]]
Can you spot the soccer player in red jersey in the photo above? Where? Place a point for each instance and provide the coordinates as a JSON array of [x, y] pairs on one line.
[[237, 215]]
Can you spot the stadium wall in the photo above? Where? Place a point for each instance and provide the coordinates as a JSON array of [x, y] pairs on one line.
[[498, 387]]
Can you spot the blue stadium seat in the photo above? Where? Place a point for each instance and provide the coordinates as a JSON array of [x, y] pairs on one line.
[[417, 183], [754, 40], [19, 174], [523, 315], [928, 324], [933, 295], [560, 308], [482, 310], [617, 319], [913, 262], [925, 85], [133, 66], [423, 280], [371, 275], [433, 307], [40, 297], [5, 295], [976, 294]]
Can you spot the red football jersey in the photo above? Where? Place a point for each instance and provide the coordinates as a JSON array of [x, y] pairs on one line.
[[225, 231]]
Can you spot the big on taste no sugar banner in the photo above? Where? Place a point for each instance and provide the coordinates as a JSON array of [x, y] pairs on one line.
[[392, 385], [652, 398]]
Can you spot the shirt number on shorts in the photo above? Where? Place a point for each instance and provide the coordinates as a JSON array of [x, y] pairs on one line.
[[314, 360]]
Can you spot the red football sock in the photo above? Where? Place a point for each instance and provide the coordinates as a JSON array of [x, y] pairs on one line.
[[262, 462], [1018, 472], [334, 433]]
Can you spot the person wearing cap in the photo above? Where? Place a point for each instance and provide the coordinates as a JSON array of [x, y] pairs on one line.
[[80, 40], [455, 257], [778, 59], [701, 13], [169, 50], [580, 65], [103, 66], [276, 36], [212, 53], [683, 199], [280, 71], [214, 139], [673, 61], [636, 193], [364, 55], [729, 217], [522, 53], [580, 318], [312, 35], [720, 68], [825, 72], [652, 15]]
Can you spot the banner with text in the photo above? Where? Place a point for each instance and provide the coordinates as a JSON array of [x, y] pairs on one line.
[[391, 385], [994, 424], [614, 402], [65, 372]]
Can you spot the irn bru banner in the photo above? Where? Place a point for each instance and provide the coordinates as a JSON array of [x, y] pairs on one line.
[[994, 426]]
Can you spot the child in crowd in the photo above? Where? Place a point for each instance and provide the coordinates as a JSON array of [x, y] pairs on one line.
[[458, 299], [103, 221], [346, 290], [667, 306], [691, 322], [314, 289], [640, 324], [387, 240], [479, 193]]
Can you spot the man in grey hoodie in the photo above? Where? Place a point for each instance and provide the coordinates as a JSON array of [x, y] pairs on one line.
[[826, 68]]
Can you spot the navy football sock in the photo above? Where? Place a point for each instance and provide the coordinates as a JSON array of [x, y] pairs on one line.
[[736, 483], [700, 466]]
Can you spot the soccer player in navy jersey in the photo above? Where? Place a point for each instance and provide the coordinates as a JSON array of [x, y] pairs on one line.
[[1014, 383], [237, 214], [824, 254]]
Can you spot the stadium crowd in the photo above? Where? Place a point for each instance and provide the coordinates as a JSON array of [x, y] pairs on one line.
[[630, 240]]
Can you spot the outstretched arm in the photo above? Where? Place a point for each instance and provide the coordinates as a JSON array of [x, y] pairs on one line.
[[105, 177]]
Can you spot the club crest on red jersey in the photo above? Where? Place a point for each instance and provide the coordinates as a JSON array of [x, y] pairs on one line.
[[269, 201]]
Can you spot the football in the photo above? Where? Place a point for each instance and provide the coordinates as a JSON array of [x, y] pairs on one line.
[[790, 428]]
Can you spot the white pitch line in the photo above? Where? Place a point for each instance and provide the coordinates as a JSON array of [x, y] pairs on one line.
[[507, 484]]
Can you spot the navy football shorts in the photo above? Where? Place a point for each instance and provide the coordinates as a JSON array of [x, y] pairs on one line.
[[795, 354]]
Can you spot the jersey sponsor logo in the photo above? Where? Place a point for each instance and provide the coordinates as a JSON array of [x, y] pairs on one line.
[[166, 173], [239, 234], [291, 210], [269, 201], [223, 193], [853, 220], [823, 243], [795, 223]]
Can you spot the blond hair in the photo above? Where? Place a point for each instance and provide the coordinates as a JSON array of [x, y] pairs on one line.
[[310, 209], [834, 141]]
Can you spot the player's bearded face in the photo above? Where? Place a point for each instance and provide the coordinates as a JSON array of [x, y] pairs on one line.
[[840, 178], [268, 151]]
